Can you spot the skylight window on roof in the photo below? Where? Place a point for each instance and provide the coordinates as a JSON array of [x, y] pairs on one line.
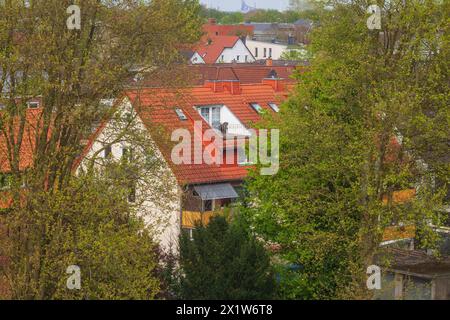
[[274, 107], [256, 107], [180, 114]]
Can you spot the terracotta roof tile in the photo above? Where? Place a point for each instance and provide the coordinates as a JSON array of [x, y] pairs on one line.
[[156, 108]]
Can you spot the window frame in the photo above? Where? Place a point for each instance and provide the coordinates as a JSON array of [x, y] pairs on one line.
[[274, 106], [29, 103], [256, 107], [107, 153], [180, 113], [211, 119]]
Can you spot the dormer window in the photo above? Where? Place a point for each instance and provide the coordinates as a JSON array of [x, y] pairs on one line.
[[256, 107], [211, 114], [180, 114], [274, 107], [33, 104]]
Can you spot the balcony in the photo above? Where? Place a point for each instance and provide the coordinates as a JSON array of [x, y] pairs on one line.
[[190, 218]]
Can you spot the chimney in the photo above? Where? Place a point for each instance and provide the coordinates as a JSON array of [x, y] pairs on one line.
[[232, 86], [214, 85], [212, 21], [269, 62], [277, 84]]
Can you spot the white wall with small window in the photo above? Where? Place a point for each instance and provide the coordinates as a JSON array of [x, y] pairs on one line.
[[160, 210], [264, 50], [239, 53]]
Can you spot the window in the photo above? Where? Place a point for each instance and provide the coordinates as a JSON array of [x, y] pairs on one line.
[[256, 52], [127, 154], [132, 194], [215, 118], [265, 52], [108, 151], [150, 160], [238, 57], [270, 52], [274, 107], [256, 107], [33, 104], [211, 115], [180, 114], [5, 181], [242, 156], [204, 112], [246, 58], [208, 205]]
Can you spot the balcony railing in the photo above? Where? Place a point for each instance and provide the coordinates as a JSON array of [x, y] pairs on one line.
[[190, 218]]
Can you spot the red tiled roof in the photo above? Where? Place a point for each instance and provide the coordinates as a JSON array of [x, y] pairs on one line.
[[26, 154], [212, 29], [210, 52], [244, 73], [156, 107], [28, 141]]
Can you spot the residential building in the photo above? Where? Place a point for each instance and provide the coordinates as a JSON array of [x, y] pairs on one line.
[[414, 274], [221, 49], [271, 49], [195, 190]]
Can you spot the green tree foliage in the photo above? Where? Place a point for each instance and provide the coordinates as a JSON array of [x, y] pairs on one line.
[[299, 54], [53, 216], [260, 15], [223, 261], [339, 160], [91, 225]]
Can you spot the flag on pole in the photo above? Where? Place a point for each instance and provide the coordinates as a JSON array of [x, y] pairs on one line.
[[245, 8]]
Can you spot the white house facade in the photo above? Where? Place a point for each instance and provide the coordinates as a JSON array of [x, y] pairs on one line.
[[265, 50], [157, 197]]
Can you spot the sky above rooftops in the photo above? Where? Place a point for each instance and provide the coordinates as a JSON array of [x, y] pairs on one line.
[[235, 5]]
